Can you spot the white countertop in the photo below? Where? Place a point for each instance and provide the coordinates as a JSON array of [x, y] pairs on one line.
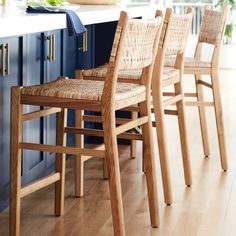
[[14, 21]]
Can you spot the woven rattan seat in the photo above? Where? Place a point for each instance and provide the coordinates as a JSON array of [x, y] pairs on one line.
[[81, 89], [101, 71], [188, 62], [168, 73]]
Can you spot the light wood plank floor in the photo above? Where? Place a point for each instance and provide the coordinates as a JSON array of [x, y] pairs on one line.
[[207, 208]]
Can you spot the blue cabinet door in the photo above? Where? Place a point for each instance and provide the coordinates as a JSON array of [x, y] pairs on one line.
[[11, 48], [33, 161], [44, 63], [52, 69]]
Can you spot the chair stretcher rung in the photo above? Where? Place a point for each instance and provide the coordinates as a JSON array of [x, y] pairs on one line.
[[98, 119], [61, 149], [130, 125], [205, 84], [171, 94], [171, 112], [172, 100], [200, 104], [99, 133], [40, 113], [39, 184]]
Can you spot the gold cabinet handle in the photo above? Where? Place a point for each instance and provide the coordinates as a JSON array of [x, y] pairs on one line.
[[84, 48], [53, 47], [2, 47], [8, 59], [52, 40], [49, 57]]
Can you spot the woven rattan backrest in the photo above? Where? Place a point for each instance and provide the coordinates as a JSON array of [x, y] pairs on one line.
[[134, 47], [139, 42], [212, 26], [178, 31]]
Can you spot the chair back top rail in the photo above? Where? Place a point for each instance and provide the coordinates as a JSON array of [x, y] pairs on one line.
[[212, 26], [173, 40], [179, 26]]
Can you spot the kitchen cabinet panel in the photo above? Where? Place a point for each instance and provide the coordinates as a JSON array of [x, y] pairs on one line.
[[11, 63]]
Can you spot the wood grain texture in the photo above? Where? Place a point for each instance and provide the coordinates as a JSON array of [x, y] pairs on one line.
[[207, 208], [15, 169]]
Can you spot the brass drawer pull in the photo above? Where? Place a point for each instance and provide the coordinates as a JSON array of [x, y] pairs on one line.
[[2, 69], [84, 48], [52, 40], [53, 47], [8, 59]]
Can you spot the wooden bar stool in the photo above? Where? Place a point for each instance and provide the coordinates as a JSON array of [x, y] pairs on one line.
[[211, 33], [173, 42], [135, 46]]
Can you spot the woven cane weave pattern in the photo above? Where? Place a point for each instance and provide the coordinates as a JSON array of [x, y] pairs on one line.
[[212, 26], [170, 73], [81, 89], [137, 52], [188, 62], [178, 32], [101, 71]]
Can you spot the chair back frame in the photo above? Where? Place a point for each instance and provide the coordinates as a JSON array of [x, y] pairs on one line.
[[132, 50], [212, 32], [167, 42]]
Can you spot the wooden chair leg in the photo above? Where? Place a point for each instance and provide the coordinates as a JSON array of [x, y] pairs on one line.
[[105, 171], [162, 146], [79, 162], [133, 145], [111, 152], [15, 178], [60, 162], [183, 136], [202, 117], [150, 169], [219, 120]]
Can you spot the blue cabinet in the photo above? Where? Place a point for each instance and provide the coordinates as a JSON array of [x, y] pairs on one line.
[[11, 66], [44, 63], [38, 58], [27, 60]]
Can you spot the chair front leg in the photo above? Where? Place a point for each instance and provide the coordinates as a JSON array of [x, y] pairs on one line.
[[183, 135], [219, 119], [133, 145], [111, 152], [60, 162], [15, 155], [202, 117], [162, 147], [79, 162], [149, 163]]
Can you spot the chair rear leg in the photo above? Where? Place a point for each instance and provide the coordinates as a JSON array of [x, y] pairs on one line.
[[133, 145], [202, 117], [183, 136], [60, 163], [111, 152], [162, 147], [219, 120], [149, 163], [79, 162], [15, 156]]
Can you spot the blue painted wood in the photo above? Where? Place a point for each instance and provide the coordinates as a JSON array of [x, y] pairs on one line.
[[13, 79], [33, 163], [51, 71]]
